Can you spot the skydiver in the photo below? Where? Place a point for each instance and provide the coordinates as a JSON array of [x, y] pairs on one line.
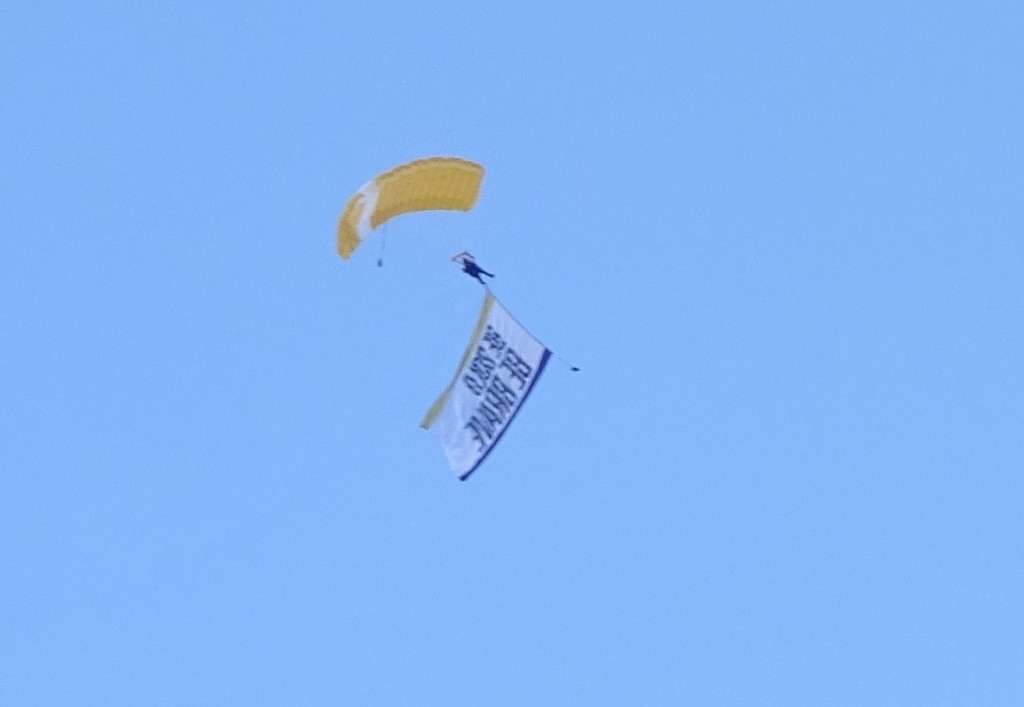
[[470, 267]]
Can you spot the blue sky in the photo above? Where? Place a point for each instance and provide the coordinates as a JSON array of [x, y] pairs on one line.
[[782, 241]]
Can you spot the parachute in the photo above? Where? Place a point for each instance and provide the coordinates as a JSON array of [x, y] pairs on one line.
[[434, 183]]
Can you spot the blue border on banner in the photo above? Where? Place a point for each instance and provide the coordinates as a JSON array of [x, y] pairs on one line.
[[540, 369]]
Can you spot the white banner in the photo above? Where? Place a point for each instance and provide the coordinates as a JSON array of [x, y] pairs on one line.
[[497, 372]]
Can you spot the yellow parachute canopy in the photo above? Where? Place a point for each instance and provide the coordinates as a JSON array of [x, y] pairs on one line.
[[448, 183]]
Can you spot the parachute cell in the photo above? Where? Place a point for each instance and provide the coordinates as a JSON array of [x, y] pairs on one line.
[[434, 183]]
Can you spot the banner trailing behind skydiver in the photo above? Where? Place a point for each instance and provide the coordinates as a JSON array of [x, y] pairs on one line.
[[498, 369]]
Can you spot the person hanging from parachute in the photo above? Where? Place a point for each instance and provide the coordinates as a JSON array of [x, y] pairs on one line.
[[427, 184], [470, 267]]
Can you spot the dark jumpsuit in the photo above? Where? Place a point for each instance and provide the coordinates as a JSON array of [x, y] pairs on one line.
[[473, 270]]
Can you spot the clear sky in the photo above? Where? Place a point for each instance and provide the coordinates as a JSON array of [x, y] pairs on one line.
[[781, 240]]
